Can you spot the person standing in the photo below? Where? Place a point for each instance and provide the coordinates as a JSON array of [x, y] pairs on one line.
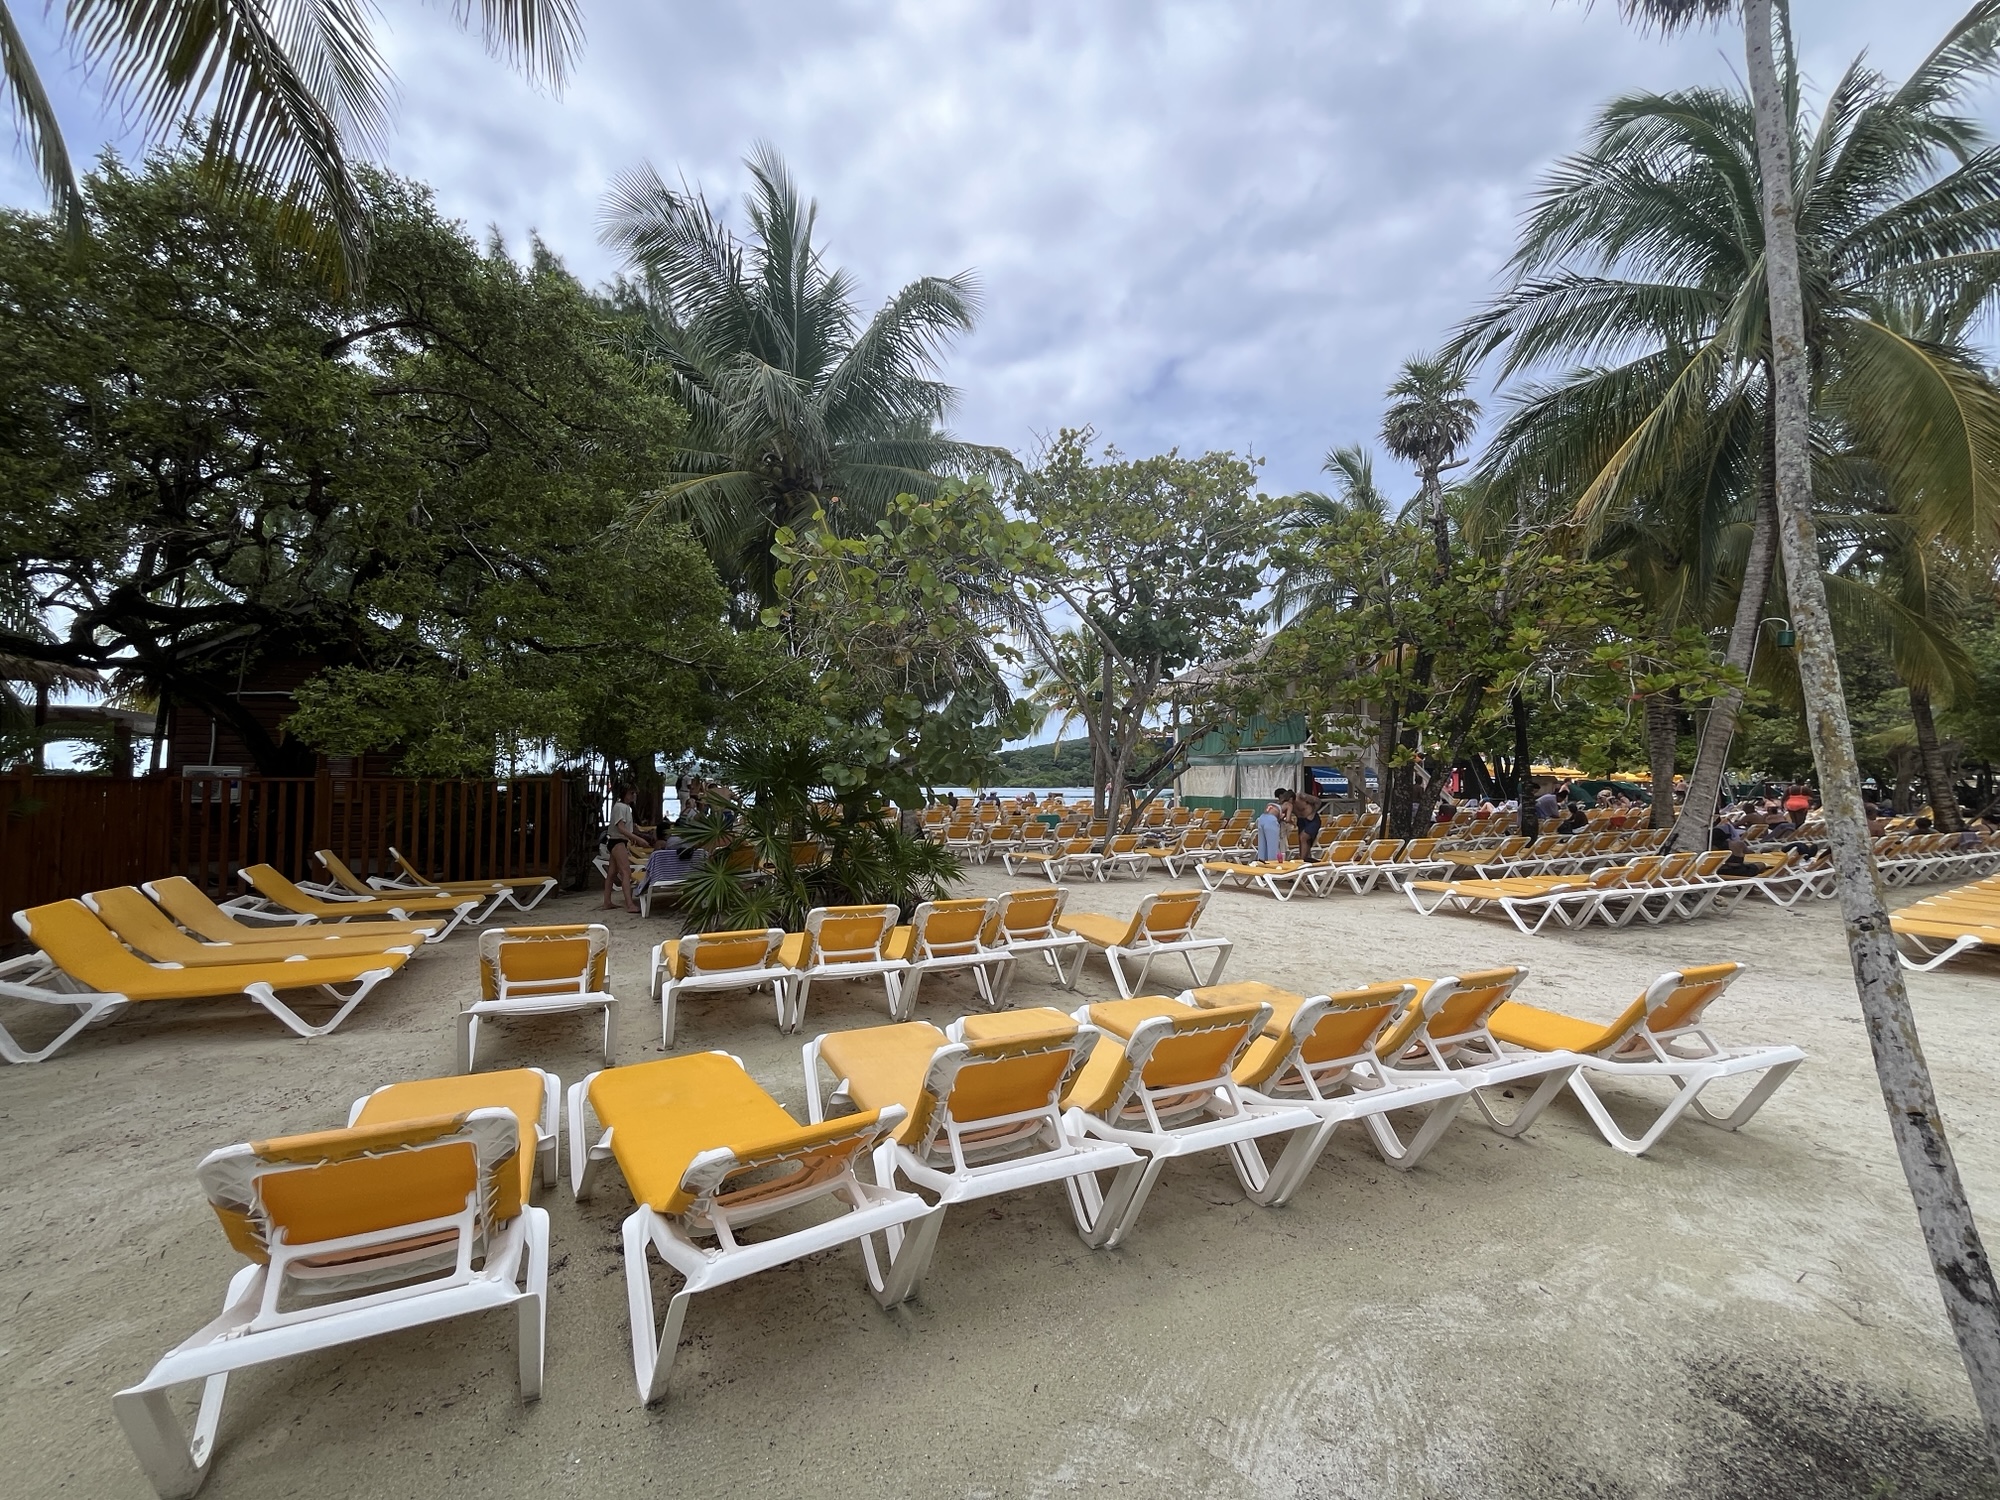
[[1271, 828], [619, 835], [1798, 804], [1305, 813]]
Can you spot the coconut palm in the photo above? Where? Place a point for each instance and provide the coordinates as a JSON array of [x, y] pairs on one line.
[[1645, 253], [1429, 420], [1302, 583], [283, 87], [797, 406], [1938, 235]]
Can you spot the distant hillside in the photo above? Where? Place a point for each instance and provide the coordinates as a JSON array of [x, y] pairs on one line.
[[1064, 763]]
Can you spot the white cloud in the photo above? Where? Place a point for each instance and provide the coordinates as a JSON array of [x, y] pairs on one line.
[[1198, 224]]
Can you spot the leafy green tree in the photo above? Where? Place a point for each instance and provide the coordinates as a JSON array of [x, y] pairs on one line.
[[799, 407], [1945, 233], [213, 462], [1158, 561], [1644, 258], [280, 90]]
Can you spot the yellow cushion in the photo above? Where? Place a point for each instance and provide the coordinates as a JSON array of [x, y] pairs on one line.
[[1260, 1060], [518, 1089], [1122, 1017], [1284, 1004], [664, 1114], [885, 1065], [1547, 1031], [1097, 1084], [1009, 1024], [902, 940], [792, 951], [1097, 929]]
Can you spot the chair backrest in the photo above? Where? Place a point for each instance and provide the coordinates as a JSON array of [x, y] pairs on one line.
[[1706, 865], [189, 905], [1342, 853], [848, 934], [970, 1083], [126, 911], [1450, 1008], [1674, 866], [557, 960], [1327, 1037], [1165, 917], [1418, 849], [944, 929], [272, 884], [728, 952], [1383, 852], [1025, 915], [75, 941], [1636, 872], [1678, 998], [1180, 1049], [1124, 843], [335, 866], [364, 1180]]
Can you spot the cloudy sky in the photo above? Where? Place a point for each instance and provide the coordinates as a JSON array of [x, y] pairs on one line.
[[1201, 225]]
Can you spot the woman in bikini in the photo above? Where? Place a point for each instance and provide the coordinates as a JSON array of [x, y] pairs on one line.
[[1305, 815], [619, 835]]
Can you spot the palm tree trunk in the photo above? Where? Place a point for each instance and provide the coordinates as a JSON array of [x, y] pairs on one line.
[[1518, 707], [1711, 758], [1937, 772], [1662, 741], [1958, 1258]]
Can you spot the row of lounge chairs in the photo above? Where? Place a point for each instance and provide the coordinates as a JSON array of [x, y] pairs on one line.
[[420, 1209], [984, 937], [1939, 928], [169, 941], [1656, 889]]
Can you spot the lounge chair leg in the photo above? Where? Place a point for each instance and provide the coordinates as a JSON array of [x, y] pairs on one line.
[[652, 1353], [1274, 1186], [903, 994], [468, 1039], [175, 1467], [531, 1313], [1552, 1084], [1752, 1102], [1104, 1217], [91, 1010], [899, 1274], [1403, 1157]]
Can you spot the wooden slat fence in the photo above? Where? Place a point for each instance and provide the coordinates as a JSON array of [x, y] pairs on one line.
[[64, 835]]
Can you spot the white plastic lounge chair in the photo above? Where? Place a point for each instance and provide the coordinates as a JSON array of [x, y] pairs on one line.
[[397, 1223], [707, 1153], [81, 965], [151, 933], [842, 942], [189, 905], [1160, 1082], [1055, 863], [1443, 1032], [1024, 922], [942, 937], [1164, 923], [1320, 1052], [1659, 1035], [1279, 878], [707, 963], [342, 884], [280, 900], [982, 1116], [512, 888], [1121, 856], [540, 971]]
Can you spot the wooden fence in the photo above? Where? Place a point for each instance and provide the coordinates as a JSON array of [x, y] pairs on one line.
[[64, 835]]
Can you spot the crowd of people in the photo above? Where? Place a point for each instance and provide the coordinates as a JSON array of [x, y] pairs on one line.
[[625, 844]]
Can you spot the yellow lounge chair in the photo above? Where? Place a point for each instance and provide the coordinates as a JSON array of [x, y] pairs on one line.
[[982, 1115], [1160, 1081], [1443, 1033], [942, 936], [511, 887], [1163, 924], [1024, 922], [1319, 1051], [708, 962], [1659, 1035], [72, 942], [400, 1221], [540, 971], [342, 884], [189, 905], [842, 942], [1279, 878], [706, 1153], [279, 900], [149, 931]]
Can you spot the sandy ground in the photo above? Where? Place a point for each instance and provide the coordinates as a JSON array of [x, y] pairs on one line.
[[1735, 1315]]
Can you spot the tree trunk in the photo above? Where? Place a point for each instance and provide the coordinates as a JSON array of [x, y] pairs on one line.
[[1711, 758], [1100, 742], [1937, 770], [1524, 788], [1958, 1258], [1662, 742]]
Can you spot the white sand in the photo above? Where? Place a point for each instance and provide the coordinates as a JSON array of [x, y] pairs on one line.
[[1743, 1314]]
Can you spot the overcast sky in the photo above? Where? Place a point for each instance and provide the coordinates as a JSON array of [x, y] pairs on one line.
[[1198, 225]]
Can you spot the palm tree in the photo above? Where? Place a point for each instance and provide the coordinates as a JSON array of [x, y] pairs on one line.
[[1302, 583], [1648, 247], [1430, 418], [1958, 1258], [797, 407], [283, 85]]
